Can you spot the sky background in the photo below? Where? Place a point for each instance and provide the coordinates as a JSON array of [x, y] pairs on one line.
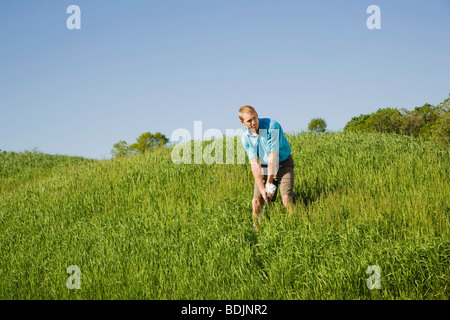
[[148, 66]]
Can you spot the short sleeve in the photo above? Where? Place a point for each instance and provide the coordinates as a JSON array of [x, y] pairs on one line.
[[273, 136], [249, 149]]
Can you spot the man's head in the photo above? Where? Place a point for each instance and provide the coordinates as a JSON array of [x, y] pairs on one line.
[[249, 117]]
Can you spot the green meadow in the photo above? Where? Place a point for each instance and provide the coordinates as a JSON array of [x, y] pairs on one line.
[[143, 227]]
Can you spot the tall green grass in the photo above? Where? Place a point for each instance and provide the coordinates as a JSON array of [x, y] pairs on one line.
[[17, 169], [142, 227]]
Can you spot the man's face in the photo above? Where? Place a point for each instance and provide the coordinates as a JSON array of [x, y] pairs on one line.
[[250, 120]]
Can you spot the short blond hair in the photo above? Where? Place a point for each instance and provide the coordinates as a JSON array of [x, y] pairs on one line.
[[245, 109]]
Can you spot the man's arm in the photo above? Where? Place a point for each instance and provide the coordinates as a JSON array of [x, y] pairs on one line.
[[256, 170], [273, 141], [272, 166]]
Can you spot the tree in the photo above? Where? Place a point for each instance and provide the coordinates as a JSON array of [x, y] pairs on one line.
[[357, 123], [120, 149], [441, 127], [411, 122], [430, 114], [147, 141], [387, 120], [317, 125], [144, 142]]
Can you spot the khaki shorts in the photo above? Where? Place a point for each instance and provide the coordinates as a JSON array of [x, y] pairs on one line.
[[284, 179]]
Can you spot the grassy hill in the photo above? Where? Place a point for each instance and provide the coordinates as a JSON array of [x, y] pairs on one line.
[[18, 169], [142, 227]]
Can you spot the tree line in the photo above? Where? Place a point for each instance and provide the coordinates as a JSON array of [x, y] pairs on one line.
[[428, 122]]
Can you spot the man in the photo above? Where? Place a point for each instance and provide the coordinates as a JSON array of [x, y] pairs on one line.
[[264, 139]]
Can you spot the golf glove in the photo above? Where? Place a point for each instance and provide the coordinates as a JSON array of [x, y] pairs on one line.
[[271, 188]]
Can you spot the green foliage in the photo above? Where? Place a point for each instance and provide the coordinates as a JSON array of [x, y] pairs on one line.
[[429, 114], [143, 227], [384, 121], [441, 127], [427, 122], [145, 142], [120, 149], [412, 122], [317, 125], [358, 124]]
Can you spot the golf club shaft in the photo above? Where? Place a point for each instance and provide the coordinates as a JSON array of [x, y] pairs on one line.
[[265, 204]]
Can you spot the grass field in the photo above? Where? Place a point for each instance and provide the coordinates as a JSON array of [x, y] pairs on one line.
[[142, 227]]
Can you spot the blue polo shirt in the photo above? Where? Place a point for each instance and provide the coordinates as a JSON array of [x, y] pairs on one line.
[[270, 138]]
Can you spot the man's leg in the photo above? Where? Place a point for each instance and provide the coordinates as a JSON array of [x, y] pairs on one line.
[[256, 204], [257, 200], [288, 202], [286, 178]]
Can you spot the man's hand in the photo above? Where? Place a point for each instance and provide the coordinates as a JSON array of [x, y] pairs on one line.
[[264, 194], [270, 189]]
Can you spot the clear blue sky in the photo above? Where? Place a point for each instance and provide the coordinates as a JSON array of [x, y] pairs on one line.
[[139, 66]]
